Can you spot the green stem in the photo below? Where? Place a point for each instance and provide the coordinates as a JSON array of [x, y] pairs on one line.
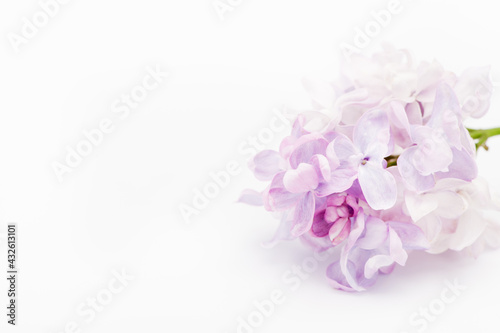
[[481, 136]]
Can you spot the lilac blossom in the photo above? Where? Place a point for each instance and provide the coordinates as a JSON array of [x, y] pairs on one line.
[[365, 155], [383, 165], [373, 246]]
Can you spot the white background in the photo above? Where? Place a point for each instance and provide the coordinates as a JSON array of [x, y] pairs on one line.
[[119, 209]]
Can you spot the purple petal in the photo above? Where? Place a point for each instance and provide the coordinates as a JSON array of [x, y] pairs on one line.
[[340, 181], [356, 230], [387, 269], [336, 200], [251, 197], [356, 191], [376, 232], [400, 128], [302, 179], [433, 152], [372, 134], [322, 166], [411, 175], [445, 100], [396, 248], [331, 155], [306, 147], [375, 263], [414, 113], [281, 199], [340, 230], [298, 127], [320, 227], [303, 216], [319, 244], [464, 166], [344, 149], [336, 276], [266, 164], [412, 237], [378, 185]]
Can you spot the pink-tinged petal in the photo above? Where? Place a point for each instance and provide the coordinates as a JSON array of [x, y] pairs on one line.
[[302, 179], [277, 181], [281, 199], [372, 134], [287, 146], [375, 263], [411, 175], [470, 227], [474, 89], [387, 269], [354, 268], [412, 237], [318, 244], [396, 248], [463, 167], [266, 164], [298, 127], [414, 113], [451, 204], [336, 228], [289, 143], [336, 276], [340, 181], [431, 226], [353, 203], [343, 235], [320, 226], [378, 185], [303, 215], [251, 197], [306, 147], [331, 214], [419, 206], [356, 230], [376, 233], [331, 155], [336, 200], [343, 211], [322, 166]]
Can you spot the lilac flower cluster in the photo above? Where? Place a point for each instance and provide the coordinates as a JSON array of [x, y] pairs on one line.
[[383, 166]]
